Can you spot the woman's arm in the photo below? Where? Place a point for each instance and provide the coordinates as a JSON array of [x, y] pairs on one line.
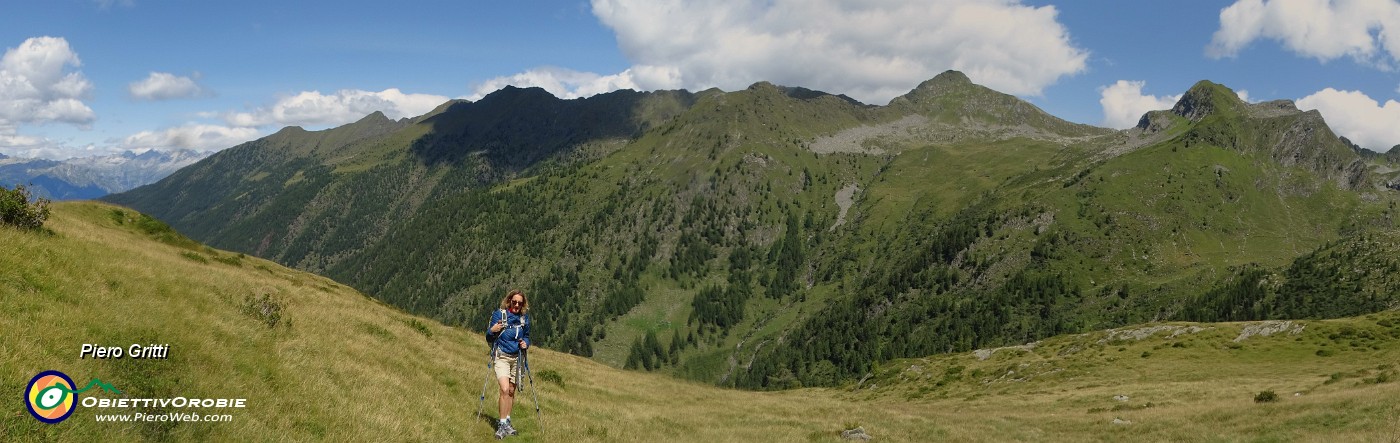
[[491, 335]]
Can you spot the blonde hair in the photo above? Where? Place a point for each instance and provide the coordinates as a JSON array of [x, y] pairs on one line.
[[524, 308]]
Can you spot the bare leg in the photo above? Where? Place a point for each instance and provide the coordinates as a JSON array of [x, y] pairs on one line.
[[507, 396]]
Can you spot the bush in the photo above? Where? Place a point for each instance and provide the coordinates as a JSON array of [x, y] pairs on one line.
[[231, 260], [263, 308], [551, 376], [17, 210], [195, 256], [419, 326], [1266, 397]]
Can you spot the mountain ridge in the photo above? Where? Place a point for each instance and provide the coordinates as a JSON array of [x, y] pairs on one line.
[[970, 219]]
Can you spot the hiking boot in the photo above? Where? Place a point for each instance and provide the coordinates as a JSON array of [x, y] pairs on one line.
[[501, 432], [510, 430]]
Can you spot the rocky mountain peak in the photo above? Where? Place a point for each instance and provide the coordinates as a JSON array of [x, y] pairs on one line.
[[515, 94], [1205, 98], [374, 117], [948, 82], [946, 79], [763, 86]]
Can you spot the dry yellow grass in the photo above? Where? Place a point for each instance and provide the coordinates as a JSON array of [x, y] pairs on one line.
[[339, 366]]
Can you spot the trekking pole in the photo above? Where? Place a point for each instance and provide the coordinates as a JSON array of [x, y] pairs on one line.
[[490, 365], [533, 390]]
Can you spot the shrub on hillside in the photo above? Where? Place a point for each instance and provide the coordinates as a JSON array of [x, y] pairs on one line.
[[264, 308], [552, 376], [17, 210], [1266, 397]]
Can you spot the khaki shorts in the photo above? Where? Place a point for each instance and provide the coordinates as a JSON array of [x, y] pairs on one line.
[[505, 367]]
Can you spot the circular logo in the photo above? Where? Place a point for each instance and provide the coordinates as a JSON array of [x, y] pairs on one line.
[[50, 396]]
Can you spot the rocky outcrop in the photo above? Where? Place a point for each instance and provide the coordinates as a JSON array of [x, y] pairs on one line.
[[952, 98], [1277, 128], [1206, 98]]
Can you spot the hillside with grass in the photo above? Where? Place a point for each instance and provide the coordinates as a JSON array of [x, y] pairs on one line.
[[778, 237], [317, 360]]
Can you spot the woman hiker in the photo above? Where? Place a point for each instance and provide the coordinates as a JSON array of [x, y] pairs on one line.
[[509, 333]]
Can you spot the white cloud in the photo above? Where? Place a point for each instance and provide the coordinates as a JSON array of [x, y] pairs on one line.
[[563, 83], [1322, 29], [199, 137], [1358, 117], [35, 86], [26, 146], [1243, 95], [193, 136], [872, 51], [311, 108], [166, 86], [11, 141], [1124, 103]]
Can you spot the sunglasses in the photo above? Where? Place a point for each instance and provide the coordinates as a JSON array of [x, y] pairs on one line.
[[516, 303]]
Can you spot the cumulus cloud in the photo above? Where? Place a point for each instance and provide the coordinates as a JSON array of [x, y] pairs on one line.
[[1358, 117], [12, 141], [563, 83], [872, 51], [1124, 103], [1321, 29], [312, 108], [1243, 95], [37, 87], [199, 137], [26, 146], [166, 86], [309, 108]]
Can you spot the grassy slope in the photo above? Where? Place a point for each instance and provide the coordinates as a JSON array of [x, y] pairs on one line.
[[340, 366], [1183, 381]]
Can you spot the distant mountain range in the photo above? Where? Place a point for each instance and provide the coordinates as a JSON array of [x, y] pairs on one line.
[[777, 236], [93, 177]]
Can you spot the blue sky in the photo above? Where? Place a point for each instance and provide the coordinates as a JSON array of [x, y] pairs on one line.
[[84, 77]]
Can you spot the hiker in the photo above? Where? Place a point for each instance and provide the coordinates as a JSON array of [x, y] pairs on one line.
[[510, 334]]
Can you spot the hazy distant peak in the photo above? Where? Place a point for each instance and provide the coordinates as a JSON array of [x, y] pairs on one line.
[[92, 177]]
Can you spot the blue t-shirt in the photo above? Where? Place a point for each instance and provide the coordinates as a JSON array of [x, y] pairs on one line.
[[517, 329]]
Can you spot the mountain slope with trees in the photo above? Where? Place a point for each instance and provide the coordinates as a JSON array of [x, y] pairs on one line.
[[317, 360], [778, 237]]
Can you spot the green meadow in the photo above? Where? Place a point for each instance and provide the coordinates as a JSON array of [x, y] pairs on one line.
[[318, 361]]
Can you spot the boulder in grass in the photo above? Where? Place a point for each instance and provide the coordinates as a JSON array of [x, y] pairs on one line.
[[855, 434]]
